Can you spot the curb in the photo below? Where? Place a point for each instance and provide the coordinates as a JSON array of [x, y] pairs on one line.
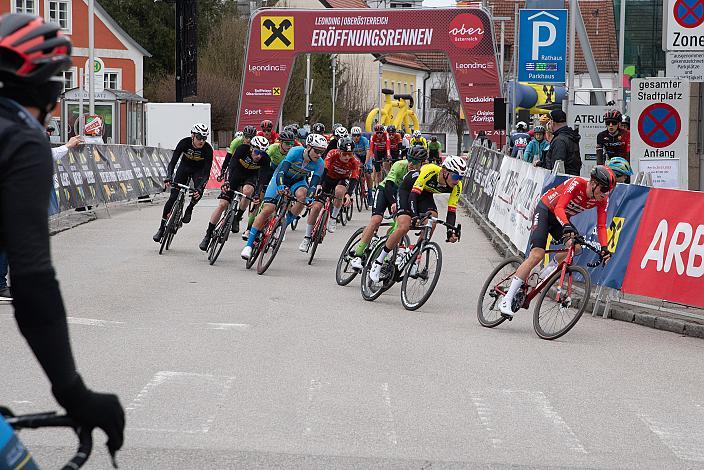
[[648, 318]]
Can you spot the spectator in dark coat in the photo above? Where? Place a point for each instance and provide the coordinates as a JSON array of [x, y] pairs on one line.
[[564, 145]]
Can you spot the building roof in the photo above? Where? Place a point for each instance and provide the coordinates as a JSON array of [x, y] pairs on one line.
[[344, 3], [434, 61], [409, 61], [113, 24], [599, 21]]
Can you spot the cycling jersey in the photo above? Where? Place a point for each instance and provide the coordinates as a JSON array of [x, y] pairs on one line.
[[609, 146], [273, 137], [196, 161], [234, 144], [422, 141], [337, 169], [396, 173], [243, 160], [361, 148], [292, 169], [395, 141], [519, 141], [570, 198], [434, 148], [427, 184], [275, 154], [380, 143]]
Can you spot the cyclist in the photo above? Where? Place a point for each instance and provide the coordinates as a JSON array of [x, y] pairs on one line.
[[416, 196], [292, 176], [626, 123], [552, 215], [318, 128], [385, 199], [621, 168], [196, 156], [613, 141], [268, 131], [361, 150], [434, 150], [380, 149], [250, 164], [31, 85], [395, 145], [519, 139], [418, 139], [340, 177], [339, 133], [406, 145], [244, 137], [536, 147]]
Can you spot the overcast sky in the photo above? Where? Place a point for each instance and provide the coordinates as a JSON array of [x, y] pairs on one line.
[[438, 3]]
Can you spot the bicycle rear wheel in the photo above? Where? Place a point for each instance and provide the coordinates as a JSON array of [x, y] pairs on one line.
[[554, 317], [421, 277], [319, 233], [255, 254], [349, 210], [270, 245], [358, 197], [494, 289], [223, 233], [344, 274], [371, 290], [176, 222]]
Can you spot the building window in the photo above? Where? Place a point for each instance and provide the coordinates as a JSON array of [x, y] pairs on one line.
[[59, 11], [111, 80], [386, 84], [24, 6], [69, 78], [438, 97], [405, 88], [398, 87]]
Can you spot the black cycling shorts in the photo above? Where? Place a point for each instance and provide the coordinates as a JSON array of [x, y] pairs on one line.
[[395, 155], [237, 181], [424, 202], [329, 184], [379, 157], [381, 202], [544, 223]]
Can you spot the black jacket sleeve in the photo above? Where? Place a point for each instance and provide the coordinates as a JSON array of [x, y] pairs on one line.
[[180, 148], [26, 170], [558, 151], [264, 175]]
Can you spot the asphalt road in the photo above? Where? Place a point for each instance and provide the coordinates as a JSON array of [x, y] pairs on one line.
[[221, 368]]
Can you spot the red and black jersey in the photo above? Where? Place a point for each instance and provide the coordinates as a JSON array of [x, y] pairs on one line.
[[273, 137], [395, 141], [336, 168], [609, 146], [380, 143]]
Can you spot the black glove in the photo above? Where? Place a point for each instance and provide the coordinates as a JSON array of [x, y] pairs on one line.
[[94, 410], [168, 179], [567, 230], [605, 254]]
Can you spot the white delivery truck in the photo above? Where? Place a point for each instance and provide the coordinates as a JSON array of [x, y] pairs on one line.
[[168, 123]]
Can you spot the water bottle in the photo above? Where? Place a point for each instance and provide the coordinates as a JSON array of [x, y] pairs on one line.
[[402, 257], [13, 454]]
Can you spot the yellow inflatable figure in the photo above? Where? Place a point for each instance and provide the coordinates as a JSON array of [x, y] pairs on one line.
[[395, 111]]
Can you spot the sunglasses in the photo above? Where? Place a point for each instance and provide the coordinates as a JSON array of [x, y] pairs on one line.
[[199, 137], [287, 142], [612, 123], [261, 153], [318, 151], [604, 189], [455, 176]]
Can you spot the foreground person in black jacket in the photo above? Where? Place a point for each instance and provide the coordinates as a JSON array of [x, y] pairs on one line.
[[564, 145]]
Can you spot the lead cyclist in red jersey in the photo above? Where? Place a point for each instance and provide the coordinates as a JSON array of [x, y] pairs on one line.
[[380, 148], [552, 215], [395, 145]]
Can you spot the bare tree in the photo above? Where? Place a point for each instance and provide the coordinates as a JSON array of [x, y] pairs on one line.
[[447, 115], [354, 99]]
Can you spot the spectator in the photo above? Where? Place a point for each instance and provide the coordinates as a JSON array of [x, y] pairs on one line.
[[536, 147], [60, 152], [564, 145]]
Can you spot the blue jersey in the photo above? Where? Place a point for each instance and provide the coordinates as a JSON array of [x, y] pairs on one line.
[[362, 147], [292, 170]]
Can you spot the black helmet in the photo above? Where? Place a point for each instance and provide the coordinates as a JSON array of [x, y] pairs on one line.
[[318, 128], [249, 131], [433, 138], [391, 129], [417, 154], [345, 144], [287, 136], [604, 176]]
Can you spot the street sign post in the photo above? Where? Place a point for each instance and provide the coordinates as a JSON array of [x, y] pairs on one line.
[[660, 130], [543, 46], [683, 25]]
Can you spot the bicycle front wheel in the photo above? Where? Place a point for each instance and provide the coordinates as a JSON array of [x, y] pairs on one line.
[[561, 304], [344, 274], [494, 289], [319, 233], [371, 290], [421, 277], [222, 234], [358, 197], [271, 246], [171, 227]]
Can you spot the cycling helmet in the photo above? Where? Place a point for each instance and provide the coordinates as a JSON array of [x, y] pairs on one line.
[[335, 126], [356, 131], [249, 131], [318, 128], [612, 115], [433, 139], [455, 164], [521, 126], [407, 136], [200, 128], [267, 125], [417, 134], [626, 119], [378, 128], [302, 133], [417, 155], [620, 166], [603, 176], [317, 141], [294, 126], [238, 135], [345, 145], [287, 136], [260, 143], [340, 132], [289, 128], [391, 129], [539, 128]]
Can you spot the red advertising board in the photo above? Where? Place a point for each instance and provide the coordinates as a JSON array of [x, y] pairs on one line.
[[277, 36], [667, 260], [215, 169]]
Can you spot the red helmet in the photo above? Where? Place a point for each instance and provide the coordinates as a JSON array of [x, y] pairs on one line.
[[378, 128], [267, 125], [604, 176], [612, 115]]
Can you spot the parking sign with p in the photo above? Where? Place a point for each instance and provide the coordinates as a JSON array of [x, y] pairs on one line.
[[543, 46]]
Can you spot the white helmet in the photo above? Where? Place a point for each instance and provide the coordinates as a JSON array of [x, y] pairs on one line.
[[317, 141], [260, 143], [455, 164], [417, 134], [356, 131], [200, 128], [239, 135], [340, 132], [521, 125]]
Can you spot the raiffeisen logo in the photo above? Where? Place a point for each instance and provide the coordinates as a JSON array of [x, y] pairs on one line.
[[466, 30]]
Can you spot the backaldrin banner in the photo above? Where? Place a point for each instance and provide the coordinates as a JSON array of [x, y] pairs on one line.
[[482, 176], [277, 36], [667, 260]]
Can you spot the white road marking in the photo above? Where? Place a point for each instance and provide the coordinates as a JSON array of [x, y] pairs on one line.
[[682, 433], [192, 399], [485, 418], [313, 389], [91, 321], [562, 427], [228, 326], [391, 431]]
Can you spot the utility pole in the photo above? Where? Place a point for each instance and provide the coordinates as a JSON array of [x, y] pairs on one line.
[[622, 54], [572, 33], [91, 57], [307, 88], [333, 59]]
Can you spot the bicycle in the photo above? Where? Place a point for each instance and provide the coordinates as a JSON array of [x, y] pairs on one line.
[[174, 221], [343, 273], [224, 227], [21, 455], [561, 287], [320, 227], [272, 236], [407, 264]]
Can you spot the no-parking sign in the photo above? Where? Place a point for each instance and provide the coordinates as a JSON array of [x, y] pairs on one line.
[[660, 129], [683, 28]]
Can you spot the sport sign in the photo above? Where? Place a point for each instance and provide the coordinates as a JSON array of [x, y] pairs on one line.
[[660, 135], [683, 28]]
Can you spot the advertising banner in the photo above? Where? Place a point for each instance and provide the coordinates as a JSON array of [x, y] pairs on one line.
[[660, 133], [667, 260], [626, 204], [542, 48], [483, 180], [216, 169], [589, 120], [276, 36]]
